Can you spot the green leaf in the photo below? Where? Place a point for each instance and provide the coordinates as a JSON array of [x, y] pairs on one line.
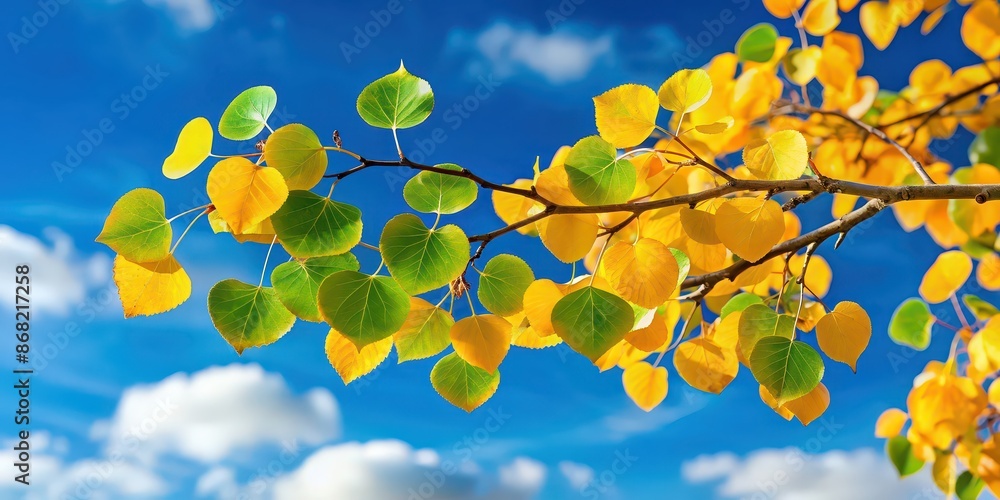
[[683, 265], [423, 259], [247, 115], [426, 332], [980, 308], [297, 281], [591, 321], [911, 324], [757, 43], [295, 151], [596, 175], [740, 302], [363, 308], [137, 227], [248, 315], [968, 486], [310, 225], [502, 284], [985, 148], [462, 384], [397, 100], [434, 192], [758, 322], [901, 455], [788, 369]]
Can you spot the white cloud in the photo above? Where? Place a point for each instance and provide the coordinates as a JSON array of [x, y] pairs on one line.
[[60, 275], [193, 15], [378, 470], [560, 57], [219, 482], [217, 412], [791, 474], [577, 475]]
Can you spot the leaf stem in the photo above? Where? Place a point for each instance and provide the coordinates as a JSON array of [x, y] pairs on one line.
[[267, 257], [188, 228], [182, 214]]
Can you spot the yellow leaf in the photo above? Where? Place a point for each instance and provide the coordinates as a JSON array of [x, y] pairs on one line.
[[944, 406], [568, 236], [351, 363], [630, 356], [809, 407], [984, 348], [847, 5], [610, 359], [482, 340], [717, 127], [658, 333], [705, 365], [943, 473], [150, 287], [727, 333], [539, 300], [932, 20], [699, 225], [801, 64], [644, 273], [194, 144], [844, 333], [879, 23], [647, 386], [685, 90], [890, 423], [783, 8], [749, 227], [769, 400], [906, 11], [782, 156], [513, 208], [981, 29], [993, 393], [524, 335], [626, 114], [988, 272], [818, 276], [946, 276], [820, 17], [245, 194]]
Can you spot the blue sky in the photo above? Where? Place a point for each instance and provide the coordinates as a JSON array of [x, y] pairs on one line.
[[522, 86]]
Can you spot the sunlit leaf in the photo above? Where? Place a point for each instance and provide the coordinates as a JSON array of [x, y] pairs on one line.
[[644, 273], [820, 17], [248, 315], [596, 175], [783, 8], [483, 340], [705, 365], [434, 192], [150, 287], [844, 333], [757, 43], [194, 145], [686, 90], [981, 29], [462, 384], [948, 273], [900, 451], [363, 308], [759, 321], [626, 114], [879, 23], [911, 324], [749, 227], [425, 332], [502, 284], [310, 225], [811, 406], [789, 369], [423, 259], [981, 309], [295, 151], [782, 156], [591, 321], [245, 194], [890, 423], [351, 362], [397, 100], [137, 227], [247, 115], [646, 385], [568, 236], [296, 282], [988, 271]]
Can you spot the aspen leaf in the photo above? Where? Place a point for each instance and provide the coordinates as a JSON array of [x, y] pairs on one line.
[[988, 271], [738, 303], [899, 449], [296, 282], [596, 175], [149, 288], [801, 65], [295, 152], [844, 333], [626, 114], [423, 259], [363, 308], [643, 273], [482, 340], [248, 315], [981, 309], [502, 284], [749, 227], [783, 8], [310, 225], [700, 225], [705, 365], [948, 273], [524, 335], [247, 114], [757, 43], [717, 127], [245, 194], [911, 324], [137, 227], [258, 233], [425, 333], [646, 385], [782, 156], [351, 362], [967, 485], [397, 100], [610, 359], [568, 236], [890, 423], [809, 407], [818, 276], [540, 298], [932, 20], [591, 321], [658, 332], [759, 321], [981, 29], [194, 145], [820, 17], [879, 23], [462, 384], [513, 208], [769, 400], [789, 369], [685, 91], [434, 192]]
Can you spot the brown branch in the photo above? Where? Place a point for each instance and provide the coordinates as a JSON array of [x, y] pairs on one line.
[[927, 115]]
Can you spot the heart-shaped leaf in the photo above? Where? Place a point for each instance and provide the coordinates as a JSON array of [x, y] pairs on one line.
[[592, 321], [247, 115], [297, 282], [295, 151], [423, 259], [248, 315], [363, 308], [462, 384], [397, 100], [137, 227], [310, 225]]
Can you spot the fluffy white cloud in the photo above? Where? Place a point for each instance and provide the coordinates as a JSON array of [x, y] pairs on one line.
[[378, 470], [791, 474], [216, 413], [60, 275], [577, 475], [560, 56], [194, 15]]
